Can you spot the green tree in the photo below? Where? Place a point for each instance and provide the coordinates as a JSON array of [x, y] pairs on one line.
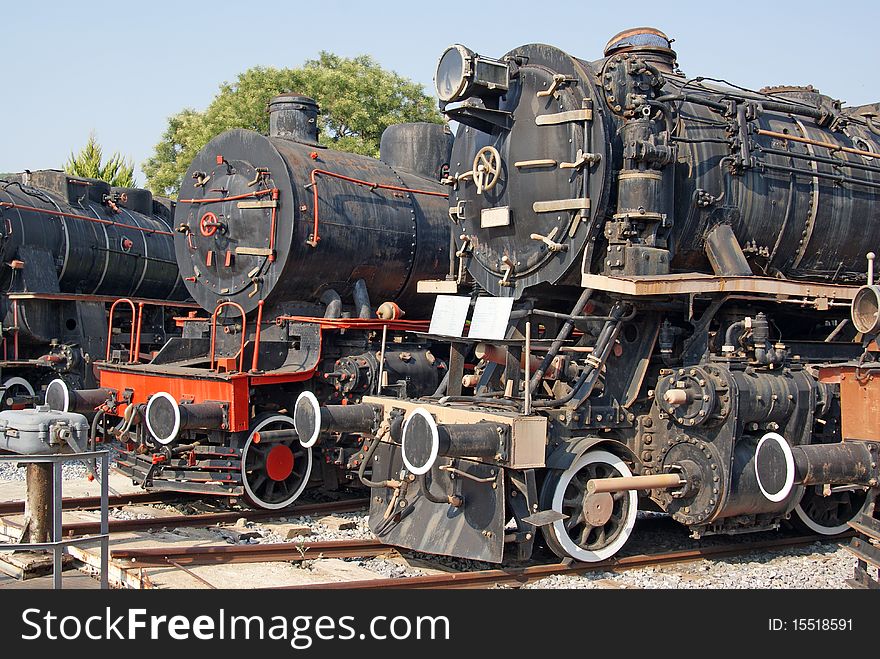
[[117, 171], [358, 100]]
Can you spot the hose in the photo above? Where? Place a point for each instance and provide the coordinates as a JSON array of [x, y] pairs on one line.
[[442, 387], [729, 334], [127, 420], [93, 433], [362, 299], [394, 428], [451, 499]]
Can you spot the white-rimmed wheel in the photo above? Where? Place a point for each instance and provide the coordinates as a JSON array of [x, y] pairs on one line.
[[274, 473], [828, 515], [596, 526], [13, 388]]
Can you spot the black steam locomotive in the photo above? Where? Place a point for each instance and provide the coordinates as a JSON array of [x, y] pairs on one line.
[[306, 260], [70, 248], [673, 261]]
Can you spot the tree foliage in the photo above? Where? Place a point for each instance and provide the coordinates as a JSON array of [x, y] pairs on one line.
[[117, 171], [358, 100]]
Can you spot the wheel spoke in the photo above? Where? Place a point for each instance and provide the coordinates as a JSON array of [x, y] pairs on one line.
[[259, 480]]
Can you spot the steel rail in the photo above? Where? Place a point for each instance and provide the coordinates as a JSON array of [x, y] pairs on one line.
[[210, 519], [225, 554], [206, 519], [520, 576], [84, 503]]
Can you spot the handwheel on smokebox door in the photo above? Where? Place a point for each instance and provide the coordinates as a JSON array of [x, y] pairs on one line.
[[274, 473], [487, 168], [597, 525]]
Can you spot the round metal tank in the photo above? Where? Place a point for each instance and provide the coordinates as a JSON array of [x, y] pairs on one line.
[[419, 148], [70, 224], [246, 217]]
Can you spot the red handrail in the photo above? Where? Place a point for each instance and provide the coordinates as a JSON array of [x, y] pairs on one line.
[[84, 218], [243, 333], [132, 355], [257, 336], [373, 186], [211, 200], [140, 324]]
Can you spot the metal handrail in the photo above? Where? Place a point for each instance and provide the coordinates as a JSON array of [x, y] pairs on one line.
[[243, 332], [256, 355], [140, 323], [132, 357], [58, 543]]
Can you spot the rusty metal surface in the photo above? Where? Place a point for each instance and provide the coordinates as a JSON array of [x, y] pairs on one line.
[[683, 284], [85, 503], [859, 398], [520, 576], [210, 519], [282, 551]]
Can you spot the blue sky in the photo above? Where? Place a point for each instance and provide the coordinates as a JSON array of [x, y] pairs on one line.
[[122, 68]]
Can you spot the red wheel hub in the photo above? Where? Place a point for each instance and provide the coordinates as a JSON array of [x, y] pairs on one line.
[[279, 462]]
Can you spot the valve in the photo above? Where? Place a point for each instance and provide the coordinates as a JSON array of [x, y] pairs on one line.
[[486, 169]]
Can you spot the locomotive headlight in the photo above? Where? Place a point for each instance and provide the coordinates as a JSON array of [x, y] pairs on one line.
[[462, 73]]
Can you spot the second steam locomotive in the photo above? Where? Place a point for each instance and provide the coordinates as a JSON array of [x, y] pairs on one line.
[[305, 260]]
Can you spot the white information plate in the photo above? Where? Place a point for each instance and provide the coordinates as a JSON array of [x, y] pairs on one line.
[[450, 313], [491, 318], [495, 217]]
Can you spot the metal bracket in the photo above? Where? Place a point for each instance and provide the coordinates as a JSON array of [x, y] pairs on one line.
[[462, 254], [548, 240], [507, 270], [558, 81], [581, 203], [585, 114], [269, 203], [581, 159]]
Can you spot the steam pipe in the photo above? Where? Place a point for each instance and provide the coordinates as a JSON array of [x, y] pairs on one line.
[[333, 302], [562, 337], [594, 362], [362, 299]]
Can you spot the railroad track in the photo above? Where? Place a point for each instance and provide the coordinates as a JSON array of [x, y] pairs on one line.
[[86, 527], [94, 503], [521, 576], [224, 554], [185, 557]]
